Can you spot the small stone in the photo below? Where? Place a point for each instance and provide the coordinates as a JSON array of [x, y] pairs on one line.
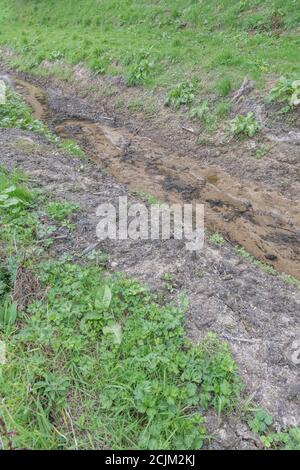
[[294, 392], [293, 352]]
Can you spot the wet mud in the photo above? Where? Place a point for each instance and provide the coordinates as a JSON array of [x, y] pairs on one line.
[[262, 220]]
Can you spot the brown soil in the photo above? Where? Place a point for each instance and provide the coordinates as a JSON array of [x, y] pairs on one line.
[[262, 220]]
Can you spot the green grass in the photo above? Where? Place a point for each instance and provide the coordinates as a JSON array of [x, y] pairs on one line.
[[182, 94], [94, 360], [223, 109], [190, 52], [267, 268], [14, 113], [71, 147], [259, 264], [223, 86], [59, 211], [179, 40]]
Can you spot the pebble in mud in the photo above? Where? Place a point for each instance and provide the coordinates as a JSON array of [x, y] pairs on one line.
[[293, 352], [294, 392]]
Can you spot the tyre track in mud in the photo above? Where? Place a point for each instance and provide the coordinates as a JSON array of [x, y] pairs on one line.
[[260, 219]]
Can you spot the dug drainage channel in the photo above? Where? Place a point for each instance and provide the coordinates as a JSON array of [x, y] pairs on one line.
[[261, 220]]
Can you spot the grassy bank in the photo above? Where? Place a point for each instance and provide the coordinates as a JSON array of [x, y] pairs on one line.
[[159, 43]]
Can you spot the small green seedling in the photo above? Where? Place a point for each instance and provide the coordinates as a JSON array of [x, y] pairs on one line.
[[59, 211], [285, 91], [245, 125], [182, 94], [287, 440], [217, 239], [72, 148], [169, 281], [262, 151], [260, 421]]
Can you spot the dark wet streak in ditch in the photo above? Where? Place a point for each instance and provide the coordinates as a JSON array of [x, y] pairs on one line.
[[260, 219]]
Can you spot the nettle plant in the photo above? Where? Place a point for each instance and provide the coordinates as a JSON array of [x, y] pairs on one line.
[[245, 125], [182, 94], [285, 91]]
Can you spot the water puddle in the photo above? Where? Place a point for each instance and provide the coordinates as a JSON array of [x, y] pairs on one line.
[[263, 221]]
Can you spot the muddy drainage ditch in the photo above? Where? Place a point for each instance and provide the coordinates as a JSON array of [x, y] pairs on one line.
[[260, 219]]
